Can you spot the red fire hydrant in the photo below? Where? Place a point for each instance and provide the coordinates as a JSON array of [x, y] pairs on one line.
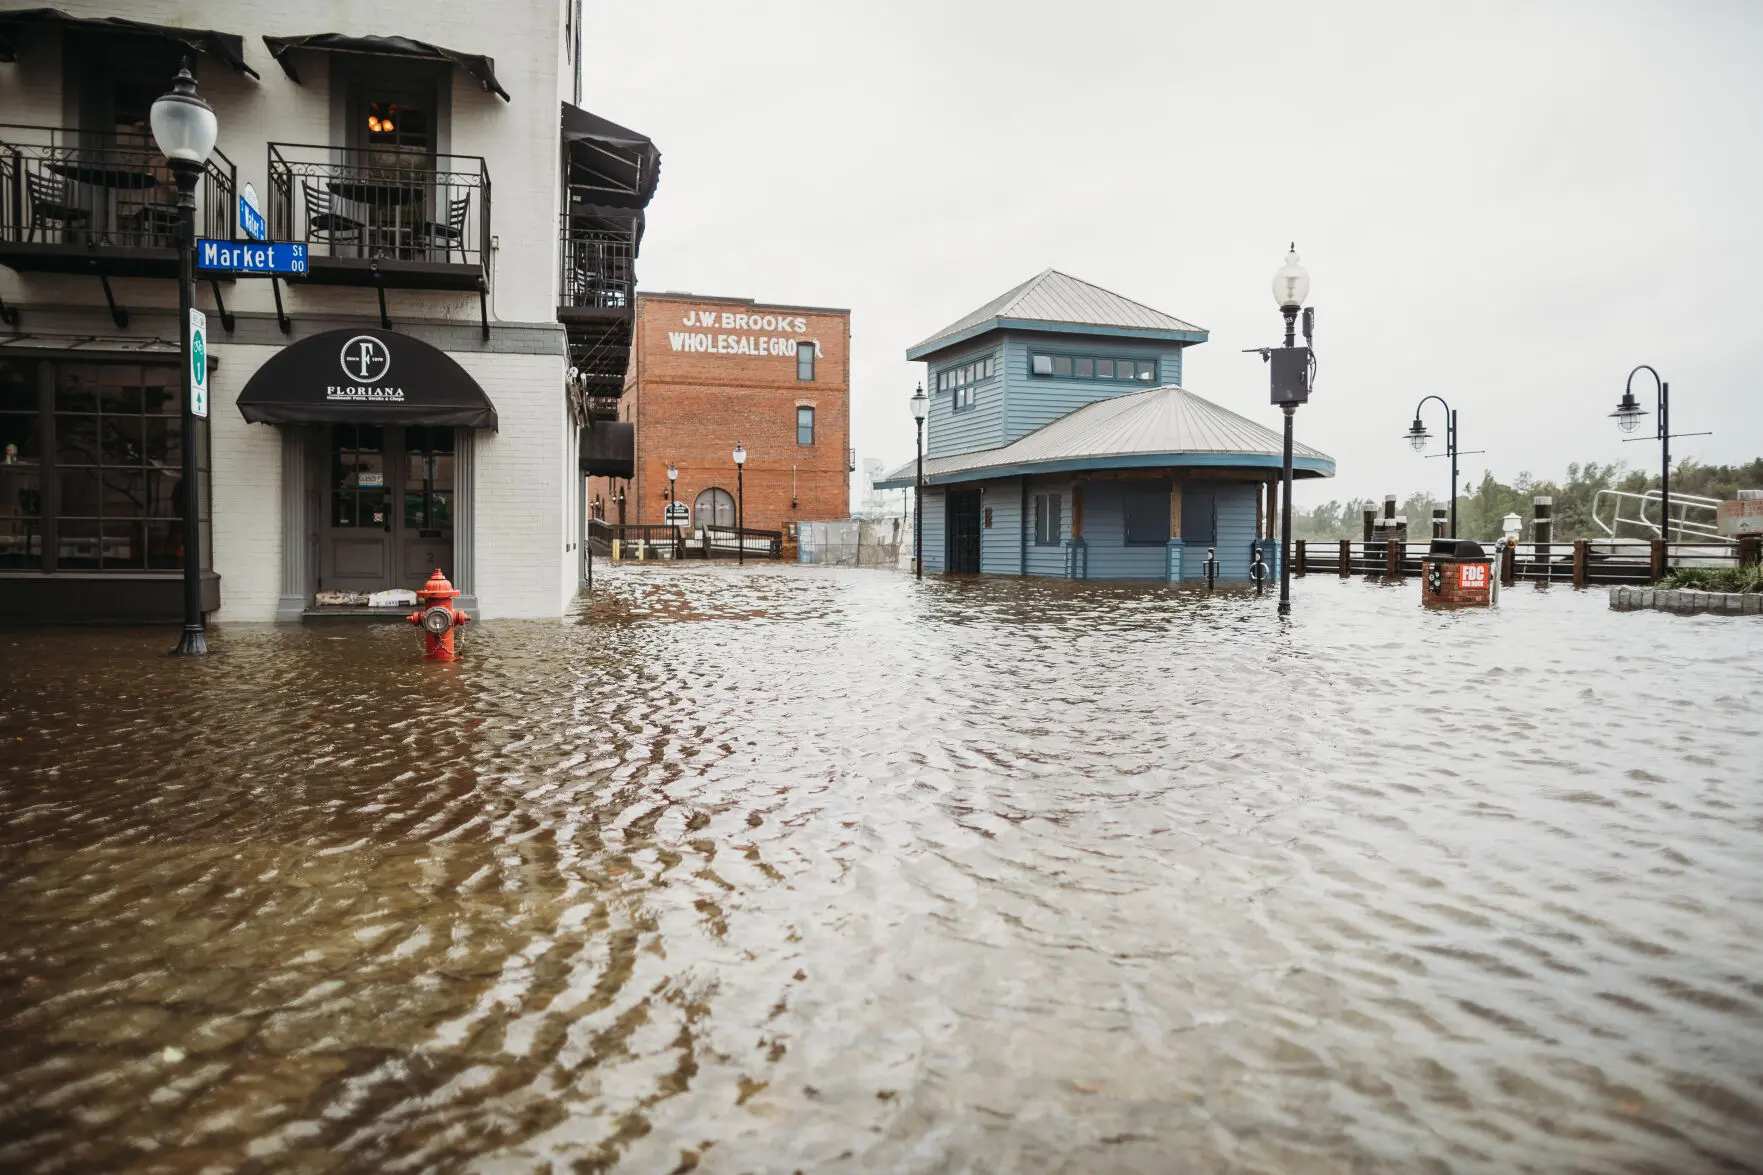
[[438, 617]]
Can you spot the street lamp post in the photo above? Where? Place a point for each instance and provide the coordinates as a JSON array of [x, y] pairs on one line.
[[1292, 369], [1417, 436], [920, 408], [1628, 417], [740, 503], [672, 476], [184, 128]]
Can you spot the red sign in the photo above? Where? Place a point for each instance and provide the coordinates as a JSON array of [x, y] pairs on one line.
[[1472, 576]]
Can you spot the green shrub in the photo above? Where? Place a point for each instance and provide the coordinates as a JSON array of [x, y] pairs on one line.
[[1716, 579]]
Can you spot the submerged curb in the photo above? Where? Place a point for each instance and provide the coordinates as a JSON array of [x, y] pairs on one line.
[[1685, 601]]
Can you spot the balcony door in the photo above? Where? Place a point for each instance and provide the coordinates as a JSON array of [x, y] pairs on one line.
[[387, 183], [389, 507]]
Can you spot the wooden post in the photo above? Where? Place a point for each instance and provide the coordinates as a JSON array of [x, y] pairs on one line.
[[1392, 554], [1370, 522], [1346, 558], [1298, 557], [1509, 564], [1542, 529], [1077, 510], [1657, 570], [1582, 549]]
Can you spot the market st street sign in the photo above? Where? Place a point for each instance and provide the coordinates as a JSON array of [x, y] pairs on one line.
[[245, 259]]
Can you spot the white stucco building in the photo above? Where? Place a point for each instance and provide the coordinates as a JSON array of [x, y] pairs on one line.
[[407, 403]]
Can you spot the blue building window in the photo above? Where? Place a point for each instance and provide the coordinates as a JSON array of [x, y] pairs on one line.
[[1147, 517], [959, 381], [1047, 520], [1093, 367]]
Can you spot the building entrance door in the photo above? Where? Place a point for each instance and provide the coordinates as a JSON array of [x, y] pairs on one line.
[[389, 507], [963, 531]]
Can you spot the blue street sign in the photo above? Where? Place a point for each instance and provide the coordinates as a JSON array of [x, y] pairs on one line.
[[244, 257], [250, 215]]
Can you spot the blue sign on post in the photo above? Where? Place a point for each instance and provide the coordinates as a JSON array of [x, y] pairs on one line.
[[245, 257], [251, 216]]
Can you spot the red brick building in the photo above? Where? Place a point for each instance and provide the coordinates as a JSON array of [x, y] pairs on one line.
[[708, 373]]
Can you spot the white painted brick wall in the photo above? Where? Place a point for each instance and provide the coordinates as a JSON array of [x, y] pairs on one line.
[[246, 486], [522, 567]]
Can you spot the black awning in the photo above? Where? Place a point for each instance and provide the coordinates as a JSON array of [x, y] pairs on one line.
[[609, 218], [365, 377], [476, 64], [609, 164], [228, 47], [609, 449]]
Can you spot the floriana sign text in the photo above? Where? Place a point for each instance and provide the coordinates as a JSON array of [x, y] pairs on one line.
[[713, 343]]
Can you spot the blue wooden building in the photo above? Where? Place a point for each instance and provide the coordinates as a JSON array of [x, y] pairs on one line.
[[1060, 442]]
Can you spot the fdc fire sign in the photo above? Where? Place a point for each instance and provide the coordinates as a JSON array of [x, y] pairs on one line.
[[1472, 576]]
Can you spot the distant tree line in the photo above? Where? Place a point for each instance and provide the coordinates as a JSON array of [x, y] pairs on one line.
[[1480, 511]]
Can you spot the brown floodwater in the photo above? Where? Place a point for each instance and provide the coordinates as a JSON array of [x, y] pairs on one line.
[[777, 869]]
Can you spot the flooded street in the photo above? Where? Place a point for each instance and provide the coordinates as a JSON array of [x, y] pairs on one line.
[[776, 869]]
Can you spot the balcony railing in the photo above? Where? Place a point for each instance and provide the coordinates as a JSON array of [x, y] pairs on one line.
[[598, 273], [377, 216], [69, 196]]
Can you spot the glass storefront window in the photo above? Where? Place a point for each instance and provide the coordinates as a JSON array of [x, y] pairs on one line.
[[106, 440]]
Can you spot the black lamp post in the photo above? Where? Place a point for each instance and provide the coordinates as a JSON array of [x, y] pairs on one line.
[[184, 128], [1628, 418], [740, 503], [920, 408], [1417, 436], [1290, 379], [672, 476]]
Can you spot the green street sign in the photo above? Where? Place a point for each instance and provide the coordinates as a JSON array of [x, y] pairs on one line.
[[198, 364]]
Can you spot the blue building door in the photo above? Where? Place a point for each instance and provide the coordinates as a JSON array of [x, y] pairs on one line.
[[963, 531]]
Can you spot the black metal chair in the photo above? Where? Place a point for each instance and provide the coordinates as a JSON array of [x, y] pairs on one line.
[[49, 207], [450, 236], [157, 224], [325, 223]]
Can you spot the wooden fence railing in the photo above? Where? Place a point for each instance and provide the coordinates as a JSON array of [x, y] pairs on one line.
[[642, 542], [1581, 562]]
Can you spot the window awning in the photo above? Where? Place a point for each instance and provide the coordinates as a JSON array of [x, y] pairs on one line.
[[609, 164], [477, 65], [228, 47], [609, 449], [365, 377]]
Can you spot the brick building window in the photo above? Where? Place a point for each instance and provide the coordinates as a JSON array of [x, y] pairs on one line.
[[805, 361], [1047, 519], [804, 425]]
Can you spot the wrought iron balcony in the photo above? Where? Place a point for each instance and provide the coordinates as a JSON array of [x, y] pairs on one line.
[[76, 201], [378, 217], [598, 256]]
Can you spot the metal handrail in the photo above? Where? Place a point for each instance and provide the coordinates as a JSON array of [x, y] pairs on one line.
[[373, 203], [62, 186], [1681, 504]]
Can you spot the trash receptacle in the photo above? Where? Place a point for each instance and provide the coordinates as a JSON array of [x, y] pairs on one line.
[[1456, 573]]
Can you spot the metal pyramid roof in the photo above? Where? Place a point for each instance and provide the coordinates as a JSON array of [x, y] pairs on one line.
[[1058, 300], [1155, 427]]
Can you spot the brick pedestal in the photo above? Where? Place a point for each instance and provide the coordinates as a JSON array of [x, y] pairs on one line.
[[1448, 583]]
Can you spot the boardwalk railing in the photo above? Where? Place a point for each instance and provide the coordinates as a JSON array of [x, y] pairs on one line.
[[1581, 562], [643, 542]]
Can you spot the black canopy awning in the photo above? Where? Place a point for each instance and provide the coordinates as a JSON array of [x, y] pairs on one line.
[[609, 449], [609, 164], [228, 47], [365, 377], [476, 64]]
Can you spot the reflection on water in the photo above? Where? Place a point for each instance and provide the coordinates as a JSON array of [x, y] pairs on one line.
[[787, 869]]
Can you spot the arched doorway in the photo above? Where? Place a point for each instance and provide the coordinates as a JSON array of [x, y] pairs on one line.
[[714, 507]]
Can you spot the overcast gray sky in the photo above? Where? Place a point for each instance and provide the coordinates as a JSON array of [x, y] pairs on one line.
[[1507, 204]]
